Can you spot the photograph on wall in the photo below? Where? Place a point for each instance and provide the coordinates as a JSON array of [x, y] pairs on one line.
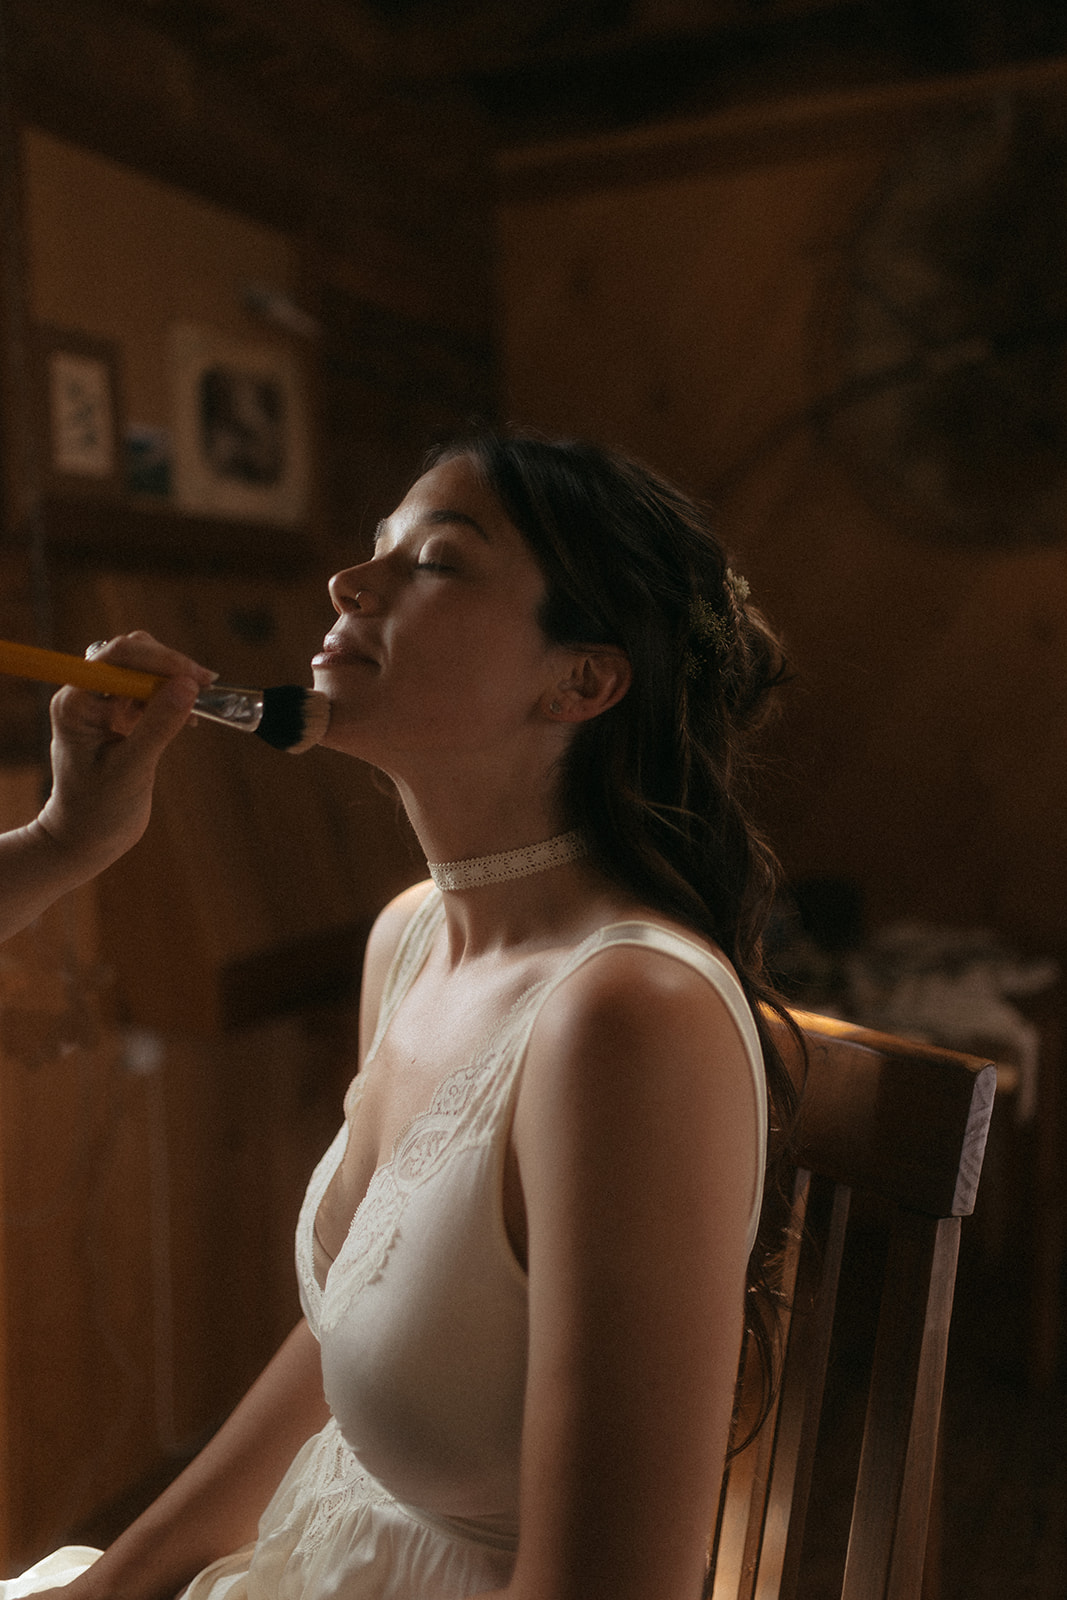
[[79, 410], [149, 460], [240, 428]]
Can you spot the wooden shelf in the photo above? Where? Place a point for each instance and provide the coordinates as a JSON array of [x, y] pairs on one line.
[[133, 535]]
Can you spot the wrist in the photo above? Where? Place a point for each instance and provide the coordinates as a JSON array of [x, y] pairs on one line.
[[86, 1584], [68, 856]]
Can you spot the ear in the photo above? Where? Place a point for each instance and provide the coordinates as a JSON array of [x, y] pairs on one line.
[[595, 678]]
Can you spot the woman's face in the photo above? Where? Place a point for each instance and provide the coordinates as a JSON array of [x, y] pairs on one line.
[[437, 646]]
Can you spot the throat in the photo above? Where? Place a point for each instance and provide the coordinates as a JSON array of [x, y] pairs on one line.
[[478, 871]]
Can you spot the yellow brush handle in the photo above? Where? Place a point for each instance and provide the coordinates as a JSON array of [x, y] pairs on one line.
[[52, 666]]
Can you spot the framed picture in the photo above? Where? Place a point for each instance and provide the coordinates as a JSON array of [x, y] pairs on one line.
[[240, 428], [80, 413]]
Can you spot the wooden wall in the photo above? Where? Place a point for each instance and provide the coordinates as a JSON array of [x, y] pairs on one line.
[[118, 253], [667, 292], [176, 1039], [149, 1181]]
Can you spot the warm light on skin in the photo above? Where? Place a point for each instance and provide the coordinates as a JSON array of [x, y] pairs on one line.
[[439, 672], [442, 651]]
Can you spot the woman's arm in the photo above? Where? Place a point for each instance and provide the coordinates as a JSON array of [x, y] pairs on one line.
[[104, 757], [214, 1506], [636, 1138]]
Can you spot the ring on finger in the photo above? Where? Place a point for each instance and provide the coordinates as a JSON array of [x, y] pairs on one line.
[[96, 646]]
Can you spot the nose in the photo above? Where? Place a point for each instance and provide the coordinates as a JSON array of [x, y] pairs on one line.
[[349, 591]]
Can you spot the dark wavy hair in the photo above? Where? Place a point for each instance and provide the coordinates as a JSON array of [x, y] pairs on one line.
[[658, 784]]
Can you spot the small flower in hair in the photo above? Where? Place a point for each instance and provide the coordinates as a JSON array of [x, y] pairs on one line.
[[737, 585], [710, 633]]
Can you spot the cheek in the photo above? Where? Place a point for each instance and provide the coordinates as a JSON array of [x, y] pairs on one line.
[[491, 652]]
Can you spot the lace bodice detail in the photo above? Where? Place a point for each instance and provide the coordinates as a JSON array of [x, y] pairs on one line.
[[423, 1315], [462, 1115], [459, 1117], [338, 1483], [411, 1491], [411, 953]]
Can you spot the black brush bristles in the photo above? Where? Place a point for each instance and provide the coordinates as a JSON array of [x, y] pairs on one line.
[[293, 718]]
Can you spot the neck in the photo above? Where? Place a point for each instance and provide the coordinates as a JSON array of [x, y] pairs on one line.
[[462, 819], [504, 866], [552, 909], [460, 815]]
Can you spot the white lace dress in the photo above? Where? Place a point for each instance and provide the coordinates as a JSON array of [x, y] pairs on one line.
[[411, 1490]]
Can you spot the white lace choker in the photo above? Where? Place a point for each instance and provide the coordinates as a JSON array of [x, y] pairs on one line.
[[480, 870]]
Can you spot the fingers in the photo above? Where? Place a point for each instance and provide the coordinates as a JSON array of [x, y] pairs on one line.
[[101, 747], [157, 722], [141, 651], [80, 713]]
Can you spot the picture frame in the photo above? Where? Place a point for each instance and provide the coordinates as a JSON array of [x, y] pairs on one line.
[[240, 428], [79, 406]]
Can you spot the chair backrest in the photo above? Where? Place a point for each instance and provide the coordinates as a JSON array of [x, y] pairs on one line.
[[833, 1495]]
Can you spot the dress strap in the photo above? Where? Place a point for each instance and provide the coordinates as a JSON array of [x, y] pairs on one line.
[[510, 1039], [653, 936], [410, 953]]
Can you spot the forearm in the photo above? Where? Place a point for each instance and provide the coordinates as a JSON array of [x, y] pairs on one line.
[[104, 757], [214, 1506], [35, 870]]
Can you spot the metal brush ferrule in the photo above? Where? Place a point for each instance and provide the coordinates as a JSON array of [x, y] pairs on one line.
[[236, 708]]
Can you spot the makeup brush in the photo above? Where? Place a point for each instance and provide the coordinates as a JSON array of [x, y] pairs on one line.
[[288, 717]]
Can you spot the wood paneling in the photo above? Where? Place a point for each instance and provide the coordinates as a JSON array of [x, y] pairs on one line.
[[922, 753], [152, 1168], [150, 1185], [124, 256], [392, 182], [260, 869]]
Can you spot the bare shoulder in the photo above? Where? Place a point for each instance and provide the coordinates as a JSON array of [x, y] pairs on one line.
[[392, 919], [382, 943], [636, 1063], [637, 1148], [636, 1008]]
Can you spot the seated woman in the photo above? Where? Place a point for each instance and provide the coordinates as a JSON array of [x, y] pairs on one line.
[[523, 1260]]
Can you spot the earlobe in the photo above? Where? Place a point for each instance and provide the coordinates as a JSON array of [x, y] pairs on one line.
[[598, 679]]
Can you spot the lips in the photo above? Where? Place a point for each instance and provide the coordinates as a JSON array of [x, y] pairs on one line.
[[340, 653]]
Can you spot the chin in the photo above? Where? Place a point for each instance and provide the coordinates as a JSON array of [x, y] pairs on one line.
[[350, 735]]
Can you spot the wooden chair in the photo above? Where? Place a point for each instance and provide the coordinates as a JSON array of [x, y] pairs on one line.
[[833, 1496]]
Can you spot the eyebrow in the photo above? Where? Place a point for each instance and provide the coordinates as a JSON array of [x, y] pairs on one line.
[[445, 515], [440, 518]]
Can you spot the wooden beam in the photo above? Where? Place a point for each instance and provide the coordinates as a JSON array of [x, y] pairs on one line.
[[321, 24], [401, 188], [784, 130]]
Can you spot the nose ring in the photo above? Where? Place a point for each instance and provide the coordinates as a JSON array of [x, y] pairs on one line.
[[356, 598]]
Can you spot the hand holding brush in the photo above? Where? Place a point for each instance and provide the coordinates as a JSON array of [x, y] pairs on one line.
[[106, 745], [104, 756], [287, 717]]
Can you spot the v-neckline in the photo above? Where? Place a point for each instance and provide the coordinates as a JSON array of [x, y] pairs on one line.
[[410, 959]]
